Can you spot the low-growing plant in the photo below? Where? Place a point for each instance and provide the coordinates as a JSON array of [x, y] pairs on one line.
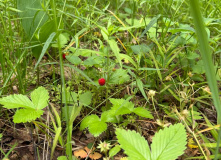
[[27, 110], [120, 107], [168, 143]]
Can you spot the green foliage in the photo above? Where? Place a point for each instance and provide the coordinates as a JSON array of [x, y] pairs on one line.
[[62, 158], [40, 98], [27, 115], [119, 76], [114, 150], [121, 107], [31, 110], [94, 124], [32, 15], [168, 143], [135, 146], [135, 45], [15, 101], [73, 59], [85, 98]]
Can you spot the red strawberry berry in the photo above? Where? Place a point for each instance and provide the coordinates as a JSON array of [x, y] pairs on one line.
[[64, 56], [101, 81]]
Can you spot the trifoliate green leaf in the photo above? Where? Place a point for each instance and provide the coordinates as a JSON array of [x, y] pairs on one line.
[[169, 143], [40, 97], [27, 115], [134, 145], [16, 101], [140, 111]]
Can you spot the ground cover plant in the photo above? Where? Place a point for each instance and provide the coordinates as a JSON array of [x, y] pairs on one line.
[[111, 80]]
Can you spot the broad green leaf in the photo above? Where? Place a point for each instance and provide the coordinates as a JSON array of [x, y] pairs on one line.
[[73, 59], [119, 76], [40, 98], [16, 101], [140, 49], [109, 116], [134, 145], [114, 151], [94, 60], [169, 143], [140, 111], [47, 29], [94, 124], [119, 110], [63, 39], [121, 106], [85, 98], [199, 67], [43, 35], [192, 55], [88, 121], [26, 115], [32, 15], [97, 127], [115, 49]]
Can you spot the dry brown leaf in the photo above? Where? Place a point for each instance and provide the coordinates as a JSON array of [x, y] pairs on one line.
[[83, 153], [89, 150], [80, 153], [95, 156]]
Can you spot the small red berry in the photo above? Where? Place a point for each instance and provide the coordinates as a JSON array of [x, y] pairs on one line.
[[101, 81], [64, 56]]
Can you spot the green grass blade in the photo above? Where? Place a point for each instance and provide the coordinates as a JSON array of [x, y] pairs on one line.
[[206, 55], [46, 45]]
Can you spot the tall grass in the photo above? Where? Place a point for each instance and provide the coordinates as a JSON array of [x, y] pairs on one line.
[[206, 54]]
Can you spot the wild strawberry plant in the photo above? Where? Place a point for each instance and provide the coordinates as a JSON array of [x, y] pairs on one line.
[[119, 108], [27, 110]]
